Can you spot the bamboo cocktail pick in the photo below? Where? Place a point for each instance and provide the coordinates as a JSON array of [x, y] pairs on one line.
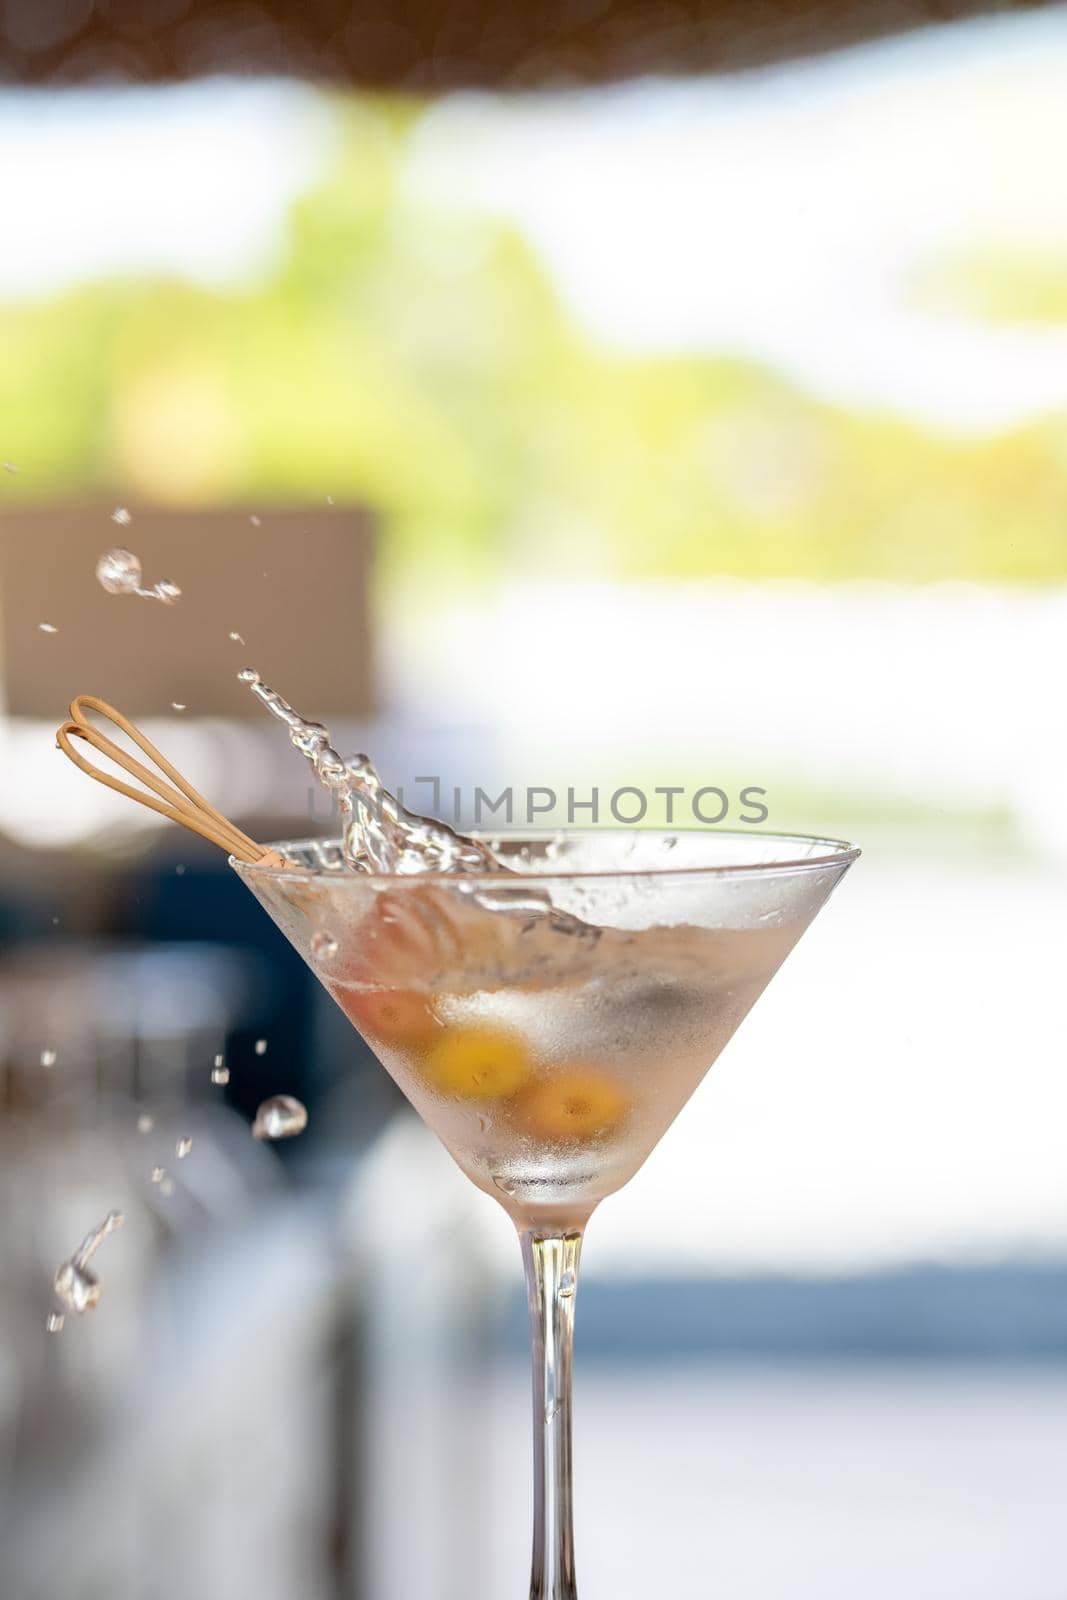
[[176, 799]]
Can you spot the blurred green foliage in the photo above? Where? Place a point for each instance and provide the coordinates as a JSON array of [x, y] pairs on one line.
[[422, 362]]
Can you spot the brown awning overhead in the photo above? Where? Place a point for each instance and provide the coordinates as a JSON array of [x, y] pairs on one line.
[[437, 44]]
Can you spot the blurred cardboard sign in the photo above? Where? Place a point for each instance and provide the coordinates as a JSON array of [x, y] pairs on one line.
[[295, 588]]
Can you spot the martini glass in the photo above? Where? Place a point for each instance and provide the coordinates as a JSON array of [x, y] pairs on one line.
[[549, 1021]]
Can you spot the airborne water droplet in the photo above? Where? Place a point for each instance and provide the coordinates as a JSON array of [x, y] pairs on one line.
[[183, 1147], [158, 1174], [121, 516], [166, 1188], [248, 675], [145, 1123], [48, 627], [76, 1286], [280, 1117], [55, 1322], [254, 521], [78, 1289], [220, 1072], [9, 466], [261, 1047], [48, 1058], [177, 705], [236, 637], [119, 572], [323, 946]]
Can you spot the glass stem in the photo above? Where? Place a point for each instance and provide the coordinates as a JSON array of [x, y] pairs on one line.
[[551, 1281]]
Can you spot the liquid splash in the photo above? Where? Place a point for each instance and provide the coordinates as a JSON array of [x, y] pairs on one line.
[[118, 571], [378, 833], [76, 1286]]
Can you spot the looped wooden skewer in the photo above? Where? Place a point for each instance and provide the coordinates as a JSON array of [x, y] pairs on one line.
[[176, 800]]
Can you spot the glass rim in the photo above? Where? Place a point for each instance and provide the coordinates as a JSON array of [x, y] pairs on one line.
[[834, 852]]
